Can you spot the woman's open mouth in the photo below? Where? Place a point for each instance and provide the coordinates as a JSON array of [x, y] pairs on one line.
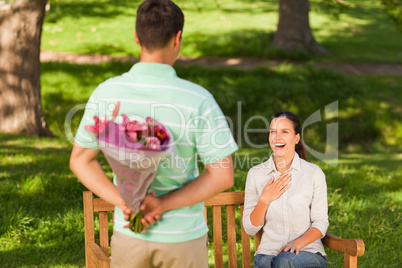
[[279, 146]]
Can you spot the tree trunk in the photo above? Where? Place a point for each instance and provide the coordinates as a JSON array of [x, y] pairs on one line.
[[294, 30], [20, 97]]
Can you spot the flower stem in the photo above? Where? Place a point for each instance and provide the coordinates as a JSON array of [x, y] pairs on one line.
[[135, 224]]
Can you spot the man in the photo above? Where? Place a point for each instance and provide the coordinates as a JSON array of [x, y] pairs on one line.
[[176, 233]]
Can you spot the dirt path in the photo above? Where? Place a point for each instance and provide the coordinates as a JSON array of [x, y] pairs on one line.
[[241, 63]]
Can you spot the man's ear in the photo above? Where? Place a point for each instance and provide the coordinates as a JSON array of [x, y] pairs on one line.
[[137, 41], [177, 38]]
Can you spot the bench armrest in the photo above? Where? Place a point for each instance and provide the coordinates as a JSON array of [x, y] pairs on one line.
[[353, 247]]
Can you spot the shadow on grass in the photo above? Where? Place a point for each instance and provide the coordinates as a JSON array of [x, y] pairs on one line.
[[41, 223], [37, 173], [353, 42], [46, 256], [42, 233], [378, 35], [115, 8], [244, 43], [365, 114], [64, 86], [106, 49], [101, 9], [46, 231], [380, 231], [348, 43], [110, 9], [365, 176]]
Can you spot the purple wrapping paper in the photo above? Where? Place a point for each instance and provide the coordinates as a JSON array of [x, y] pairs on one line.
[[134, 165]]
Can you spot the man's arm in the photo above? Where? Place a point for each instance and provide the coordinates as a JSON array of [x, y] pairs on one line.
[[88, 170], [216, 178]]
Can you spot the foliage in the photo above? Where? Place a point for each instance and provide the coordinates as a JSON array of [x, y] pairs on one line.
[[394, 9], [333, 7]]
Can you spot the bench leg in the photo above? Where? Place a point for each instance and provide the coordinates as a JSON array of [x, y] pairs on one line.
[[349, 261]]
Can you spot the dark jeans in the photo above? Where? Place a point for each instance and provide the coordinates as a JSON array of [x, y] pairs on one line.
[[291, 260]]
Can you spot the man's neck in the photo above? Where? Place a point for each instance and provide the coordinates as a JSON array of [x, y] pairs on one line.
[[159, 56]]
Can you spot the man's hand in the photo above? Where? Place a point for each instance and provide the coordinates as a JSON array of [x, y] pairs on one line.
[[216, 178], [152, 209], [126, 210]]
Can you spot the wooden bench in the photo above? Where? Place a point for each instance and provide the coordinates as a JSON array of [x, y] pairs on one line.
[[97, 255]]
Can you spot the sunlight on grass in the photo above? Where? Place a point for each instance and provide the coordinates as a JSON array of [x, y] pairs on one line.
[[365, 123], [364, 195], [229, 28], [32, 186], [41, 223]]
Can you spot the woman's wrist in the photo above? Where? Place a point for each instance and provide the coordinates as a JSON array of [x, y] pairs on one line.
[[264, 201]]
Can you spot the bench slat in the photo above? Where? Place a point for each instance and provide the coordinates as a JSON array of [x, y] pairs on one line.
[[245, 242], [104, 232], [102, 205], [225, 198], [217, 229], [231, 231]]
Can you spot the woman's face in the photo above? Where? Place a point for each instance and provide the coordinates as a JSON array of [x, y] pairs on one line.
[[282, 137]]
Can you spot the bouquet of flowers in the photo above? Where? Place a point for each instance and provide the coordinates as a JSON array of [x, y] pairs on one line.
[[133, 151]]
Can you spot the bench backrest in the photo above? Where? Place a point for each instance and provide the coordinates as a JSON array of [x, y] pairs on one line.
[[232, 200]]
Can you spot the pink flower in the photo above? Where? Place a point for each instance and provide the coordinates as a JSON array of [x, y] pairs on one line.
[[156, 129], [125, 119], [93, 129], [135, 126], [151, 134], [133, 135], [154, 143], [134, 129], [98, 127]]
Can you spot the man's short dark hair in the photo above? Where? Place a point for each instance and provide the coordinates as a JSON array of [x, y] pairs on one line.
[[157, 22]]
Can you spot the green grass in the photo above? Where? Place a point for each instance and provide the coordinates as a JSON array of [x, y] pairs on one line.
[[369, 106], [230, 28], [42, 218], [41, 224]]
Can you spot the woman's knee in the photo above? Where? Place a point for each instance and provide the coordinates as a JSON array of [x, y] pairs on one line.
[[263, 261], [285, 259], [304, 259]]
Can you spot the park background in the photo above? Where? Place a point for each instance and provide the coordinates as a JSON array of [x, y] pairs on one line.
[[41, 219]]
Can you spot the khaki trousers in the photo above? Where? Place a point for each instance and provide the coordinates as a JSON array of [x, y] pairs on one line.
[[130, 252]]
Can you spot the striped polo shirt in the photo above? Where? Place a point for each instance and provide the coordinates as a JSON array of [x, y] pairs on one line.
[[196, 123]]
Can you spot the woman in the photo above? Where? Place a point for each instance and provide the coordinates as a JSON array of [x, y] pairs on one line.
[[286, 196]]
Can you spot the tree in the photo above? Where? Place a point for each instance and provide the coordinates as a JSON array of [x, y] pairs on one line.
[[20, 97], [294, 30]]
